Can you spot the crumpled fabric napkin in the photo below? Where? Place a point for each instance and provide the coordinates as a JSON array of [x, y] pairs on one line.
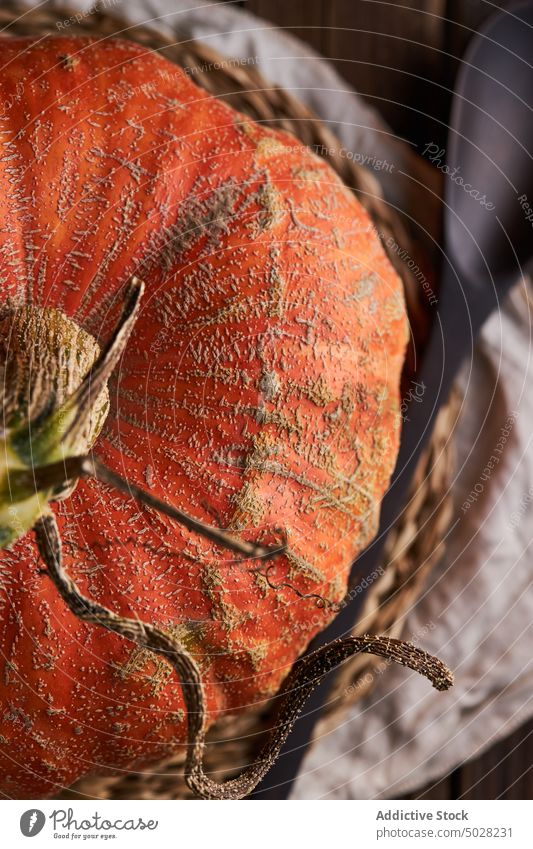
[[477, 610]]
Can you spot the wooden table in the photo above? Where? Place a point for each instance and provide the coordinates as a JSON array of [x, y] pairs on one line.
[[403, 58]]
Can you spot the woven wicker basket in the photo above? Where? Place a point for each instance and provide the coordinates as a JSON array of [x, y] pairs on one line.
[[415, 544]]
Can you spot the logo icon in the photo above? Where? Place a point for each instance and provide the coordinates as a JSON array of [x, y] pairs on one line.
[[32, 822]]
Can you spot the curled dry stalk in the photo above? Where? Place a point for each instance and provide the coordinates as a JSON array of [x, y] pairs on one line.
[[47, 455], [301, 681], [60, 433]]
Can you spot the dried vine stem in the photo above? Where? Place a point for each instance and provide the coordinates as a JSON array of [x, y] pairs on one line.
[[60, 474], [301, 681], [99, 373]]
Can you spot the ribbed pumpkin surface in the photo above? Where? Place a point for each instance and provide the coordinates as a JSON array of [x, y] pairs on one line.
[[259, 392]]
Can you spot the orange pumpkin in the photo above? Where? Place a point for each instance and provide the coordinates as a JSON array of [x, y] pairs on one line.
[[258, 392]]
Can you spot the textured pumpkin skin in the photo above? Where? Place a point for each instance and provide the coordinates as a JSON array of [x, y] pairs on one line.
[[259, 392]]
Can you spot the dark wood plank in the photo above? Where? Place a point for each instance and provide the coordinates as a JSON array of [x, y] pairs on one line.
[[390, 54], [504, 771], [387, 51], [464, 18], [437, 790]]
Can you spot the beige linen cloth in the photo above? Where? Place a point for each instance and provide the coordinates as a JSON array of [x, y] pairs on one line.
[[477, 610]]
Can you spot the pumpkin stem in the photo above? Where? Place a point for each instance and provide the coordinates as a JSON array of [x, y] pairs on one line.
[[304, 676], [92, 467], [96, 378], [61, 474], [321, 601], [306, 673]]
